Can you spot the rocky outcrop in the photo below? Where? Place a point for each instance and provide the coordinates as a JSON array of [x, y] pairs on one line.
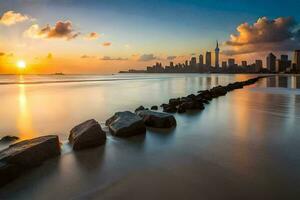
[[87, 134], [19, 157], [157, 119], [140, 108], [154, 107], [196, 102], [125, 124], [8, 138]]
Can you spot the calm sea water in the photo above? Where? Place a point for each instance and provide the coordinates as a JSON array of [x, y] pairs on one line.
[[244, 145]]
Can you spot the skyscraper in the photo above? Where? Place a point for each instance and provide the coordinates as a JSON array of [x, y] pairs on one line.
[[258, 65], [244, 63], [208, 59], [217, 52], [201, 63], [271, 62], [297, 60], [231, 62], [193, 62]]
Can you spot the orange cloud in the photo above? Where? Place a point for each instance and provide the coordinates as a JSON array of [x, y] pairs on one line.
[[10, 18], [92, 36], [60, 30], [264, 35], [106, 44]]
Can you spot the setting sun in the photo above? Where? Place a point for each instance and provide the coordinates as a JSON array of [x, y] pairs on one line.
[[21, 64]]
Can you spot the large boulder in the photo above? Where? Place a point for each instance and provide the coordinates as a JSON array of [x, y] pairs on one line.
[[8, 138], [87, 134], [126, 124], [26, 154], [157, 119]]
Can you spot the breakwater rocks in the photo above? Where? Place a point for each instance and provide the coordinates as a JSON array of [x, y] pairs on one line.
[[197, 101], [24, 155], [87, 134], [21, 156]]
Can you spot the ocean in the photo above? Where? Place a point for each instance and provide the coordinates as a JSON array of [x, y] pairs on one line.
[[244, 145]]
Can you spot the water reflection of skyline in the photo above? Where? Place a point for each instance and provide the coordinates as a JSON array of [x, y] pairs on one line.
[[292, 82]]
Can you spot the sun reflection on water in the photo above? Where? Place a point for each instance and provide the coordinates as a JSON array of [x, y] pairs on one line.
[[24, 117]]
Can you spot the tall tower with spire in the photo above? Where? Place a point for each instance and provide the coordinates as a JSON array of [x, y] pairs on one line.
[[217, 52]]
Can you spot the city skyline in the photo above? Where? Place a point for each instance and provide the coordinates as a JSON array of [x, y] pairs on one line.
[[98, 37], [273, 64]]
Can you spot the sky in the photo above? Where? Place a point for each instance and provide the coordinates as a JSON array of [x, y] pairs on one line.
[[105, 36]]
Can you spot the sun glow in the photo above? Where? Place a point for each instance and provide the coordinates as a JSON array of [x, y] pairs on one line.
[[21, 64]]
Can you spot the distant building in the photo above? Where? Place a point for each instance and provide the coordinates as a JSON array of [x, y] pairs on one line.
[[231, 62], [224, 64], [201, 63], [186, 63], [258, 65], [171, 64], [208, 59], [217, 53], [271, 63], [297, 60], [244, 63], [283, 64], [193, 62]]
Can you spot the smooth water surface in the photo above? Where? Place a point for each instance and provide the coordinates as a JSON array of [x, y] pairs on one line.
[[244, 145]]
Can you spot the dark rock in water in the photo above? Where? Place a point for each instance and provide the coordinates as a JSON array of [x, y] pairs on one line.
[[125, 124], [33, 152], [190, 105], [154, 108], [181, 109], [174, 102], [8, 172], [191, 96], [169, 109], [140, 108], [157, 119], [8, 138], [218, 91], [87, 134], [19, 157]]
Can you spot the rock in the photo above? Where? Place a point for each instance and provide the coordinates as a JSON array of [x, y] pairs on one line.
[[87, 134], [33, 152], [125, 124], [218, 91], [174, 102], [19, 157], [169, 109], [190, 105], [140, 108], [8, 138], [154, 107], [157, 119], [8, 172]]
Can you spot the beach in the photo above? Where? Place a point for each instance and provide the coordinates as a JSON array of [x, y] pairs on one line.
[[241, 146]]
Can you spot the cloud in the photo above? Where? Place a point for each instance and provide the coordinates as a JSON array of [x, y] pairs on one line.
[[107, 58], [61, 29], [86, 56], [146, 57], [10, 18], [171, 57], [106, 44], [279, 34], [92, 36]]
